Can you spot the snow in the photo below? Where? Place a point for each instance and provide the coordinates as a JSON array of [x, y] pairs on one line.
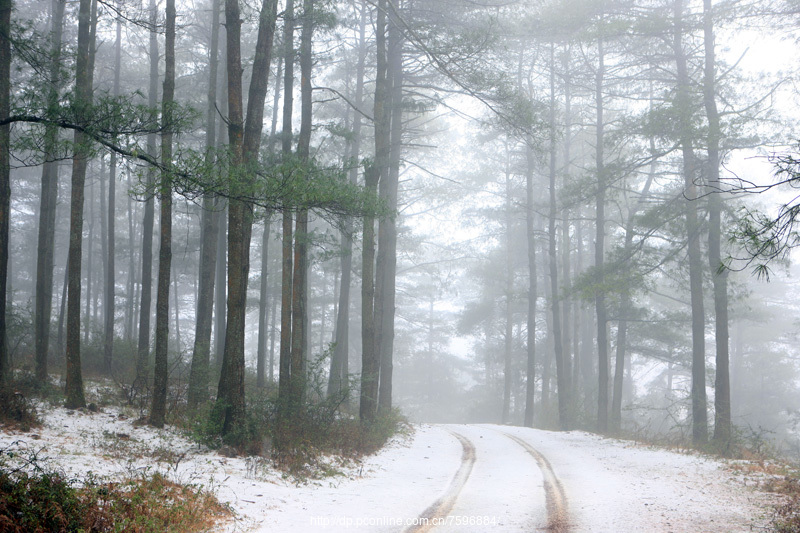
[[609, 485]]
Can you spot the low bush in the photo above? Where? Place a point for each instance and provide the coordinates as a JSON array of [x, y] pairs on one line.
[[16, 411], [34, 499]]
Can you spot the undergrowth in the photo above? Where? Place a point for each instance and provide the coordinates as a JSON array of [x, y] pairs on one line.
[[786, 515], [35, 498], [16, 409]]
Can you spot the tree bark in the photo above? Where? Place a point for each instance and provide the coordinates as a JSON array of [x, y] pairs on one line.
[[287, 229], [244, 139], [83, 101], [158, 409], [47, 208], [5, 179], [387, 231]]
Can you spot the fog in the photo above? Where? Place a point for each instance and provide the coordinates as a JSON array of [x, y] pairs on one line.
[[564, 215]]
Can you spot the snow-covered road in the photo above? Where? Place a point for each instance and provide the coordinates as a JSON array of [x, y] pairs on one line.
[[442, 478]]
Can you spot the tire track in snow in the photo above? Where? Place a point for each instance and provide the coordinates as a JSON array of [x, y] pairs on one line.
[[442, 507], [555, 496]]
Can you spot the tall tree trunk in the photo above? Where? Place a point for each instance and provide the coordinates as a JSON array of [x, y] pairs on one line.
[[683, 106], [5, 179], [566, 284], [62, 316], [287, 228], [626, 299], [301, 238], [130, 292], [558, 350], [177, 310], [599, 247], [387, 249], [220, 282], [201, 352], [87, 320], [47, 209], [530, 388], [83, 101], [508, 340], [370, 359], [719, 274], [145, 307], [263, 306], [245, 140], [339, 361], [108, 306], [158, 409]]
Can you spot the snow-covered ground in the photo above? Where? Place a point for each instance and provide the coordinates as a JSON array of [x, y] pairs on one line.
[[461, 478]]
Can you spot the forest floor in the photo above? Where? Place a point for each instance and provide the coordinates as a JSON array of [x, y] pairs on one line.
[[454, 477]]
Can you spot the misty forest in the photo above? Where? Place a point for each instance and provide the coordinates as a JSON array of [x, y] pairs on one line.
[[302, 226]]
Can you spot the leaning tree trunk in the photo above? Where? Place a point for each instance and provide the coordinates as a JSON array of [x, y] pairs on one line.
[[47, 211], [158, 410], [83, 101]]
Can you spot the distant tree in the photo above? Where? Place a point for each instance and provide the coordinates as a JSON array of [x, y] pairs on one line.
[[110, 273], [145, 305], [340, 359], [47, 207], [201, 354]]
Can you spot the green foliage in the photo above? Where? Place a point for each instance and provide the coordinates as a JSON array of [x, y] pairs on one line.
[[769, 238], [320, 426], [44, 501]]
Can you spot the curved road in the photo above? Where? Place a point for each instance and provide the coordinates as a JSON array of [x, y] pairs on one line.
[[478, 478], [502, 482]]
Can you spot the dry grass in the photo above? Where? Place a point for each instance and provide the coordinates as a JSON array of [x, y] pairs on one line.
[[154, 504]]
